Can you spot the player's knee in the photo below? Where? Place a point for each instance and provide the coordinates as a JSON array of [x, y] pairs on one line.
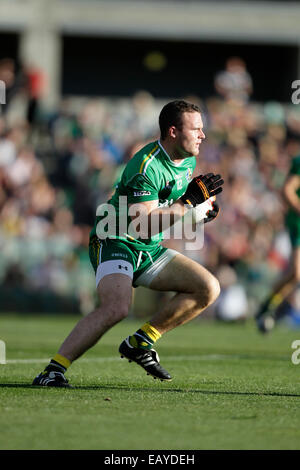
[[118, 312], [215, 289], [210, 293], [114, 312]]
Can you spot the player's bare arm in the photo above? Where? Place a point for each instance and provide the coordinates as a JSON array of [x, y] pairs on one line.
[[154, 219]]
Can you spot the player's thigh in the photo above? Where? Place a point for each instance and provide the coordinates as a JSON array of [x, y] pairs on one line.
[[115, 294], [182, 274], [113, 265]]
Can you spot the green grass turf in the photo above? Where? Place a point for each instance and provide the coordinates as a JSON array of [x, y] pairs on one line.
[[232, 389]]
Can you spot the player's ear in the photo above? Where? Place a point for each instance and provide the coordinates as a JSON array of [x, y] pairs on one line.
[[173, 132]]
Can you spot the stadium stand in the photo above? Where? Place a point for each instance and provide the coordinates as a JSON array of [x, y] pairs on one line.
[[57, 167]]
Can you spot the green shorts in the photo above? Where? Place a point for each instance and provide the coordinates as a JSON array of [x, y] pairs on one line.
[[116, 257], [292, 221]]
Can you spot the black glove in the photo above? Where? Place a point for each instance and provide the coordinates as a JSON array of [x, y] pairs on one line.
[[202, 188], [213, 213]]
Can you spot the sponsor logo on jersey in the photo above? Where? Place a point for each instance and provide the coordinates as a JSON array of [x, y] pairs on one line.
[[142, 193], [188, 175]]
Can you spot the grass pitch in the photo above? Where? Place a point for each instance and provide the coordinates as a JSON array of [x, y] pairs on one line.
[[232, 389]]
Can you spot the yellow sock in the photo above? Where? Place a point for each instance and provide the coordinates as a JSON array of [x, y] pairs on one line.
[[276, 300], [62, 361], [145, 337], [150, 331]]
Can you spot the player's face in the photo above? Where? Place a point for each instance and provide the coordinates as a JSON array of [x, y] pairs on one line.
[[190, 135]]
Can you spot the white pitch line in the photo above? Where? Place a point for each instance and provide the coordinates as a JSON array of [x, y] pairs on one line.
[[215, 357]]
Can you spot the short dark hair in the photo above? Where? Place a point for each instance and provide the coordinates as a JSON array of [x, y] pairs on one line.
[[171, 115]]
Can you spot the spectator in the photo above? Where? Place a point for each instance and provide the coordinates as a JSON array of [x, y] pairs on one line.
[[234, 82]]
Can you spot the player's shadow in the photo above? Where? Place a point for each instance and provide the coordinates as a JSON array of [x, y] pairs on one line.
[[156, 390]]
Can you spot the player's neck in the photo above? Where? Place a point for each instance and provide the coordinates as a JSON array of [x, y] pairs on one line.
[[172, 152]]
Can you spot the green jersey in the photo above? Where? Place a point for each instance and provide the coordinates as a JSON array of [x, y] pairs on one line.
[[150, 175]]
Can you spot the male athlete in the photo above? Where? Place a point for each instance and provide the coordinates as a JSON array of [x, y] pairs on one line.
[[158, 181], [269, 312]]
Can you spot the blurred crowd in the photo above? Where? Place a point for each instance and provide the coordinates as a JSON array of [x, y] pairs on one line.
[[56, 168]]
